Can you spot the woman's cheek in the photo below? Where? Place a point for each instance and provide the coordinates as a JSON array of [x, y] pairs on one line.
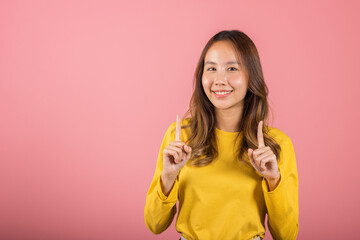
[[206, 83], [237, 82], [208, 80]]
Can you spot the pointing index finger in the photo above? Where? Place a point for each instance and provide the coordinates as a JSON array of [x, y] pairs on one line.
[[178, 129], [260, 135]]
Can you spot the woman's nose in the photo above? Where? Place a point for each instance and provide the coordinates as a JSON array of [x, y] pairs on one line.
[[220, 78]]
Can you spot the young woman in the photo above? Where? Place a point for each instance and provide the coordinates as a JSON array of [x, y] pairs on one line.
[[225, 166]]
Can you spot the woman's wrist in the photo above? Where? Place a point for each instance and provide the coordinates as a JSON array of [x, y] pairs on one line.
[[167, 182], [167, 177], [273, 183]]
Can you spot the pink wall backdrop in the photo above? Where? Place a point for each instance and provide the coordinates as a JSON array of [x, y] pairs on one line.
[[88, 89]]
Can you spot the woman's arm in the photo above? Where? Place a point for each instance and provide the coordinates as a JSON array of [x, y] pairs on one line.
[[160, 207], [282, 201]]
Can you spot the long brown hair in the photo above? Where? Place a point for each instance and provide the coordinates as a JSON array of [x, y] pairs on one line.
[[202, 121]]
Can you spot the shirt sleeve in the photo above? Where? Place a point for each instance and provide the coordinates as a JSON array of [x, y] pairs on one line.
[[159, 209], [282, 203]]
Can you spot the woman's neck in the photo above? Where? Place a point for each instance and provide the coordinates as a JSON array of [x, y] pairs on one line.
[[228, 120]]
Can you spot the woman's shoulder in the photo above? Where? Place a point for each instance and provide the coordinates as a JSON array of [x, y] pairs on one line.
[[278, 135]]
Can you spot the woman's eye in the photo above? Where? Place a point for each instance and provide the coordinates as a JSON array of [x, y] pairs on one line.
[[210, 69]]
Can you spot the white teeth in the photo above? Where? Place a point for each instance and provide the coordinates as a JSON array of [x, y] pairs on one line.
[[222, 93]]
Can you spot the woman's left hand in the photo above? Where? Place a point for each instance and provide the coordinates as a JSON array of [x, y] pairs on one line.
[[263, 159]]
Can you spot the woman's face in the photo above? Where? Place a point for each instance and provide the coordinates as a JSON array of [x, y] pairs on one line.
[[222, 73]]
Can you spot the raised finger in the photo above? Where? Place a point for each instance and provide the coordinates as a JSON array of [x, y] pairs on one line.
[[260, 135], [178, 129]]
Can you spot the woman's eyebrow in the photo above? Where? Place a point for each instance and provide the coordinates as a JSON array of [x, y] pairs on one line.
[[230, 62]]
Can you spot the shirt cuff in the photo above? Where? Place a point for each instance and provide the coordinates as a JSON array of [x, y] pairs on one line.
[[173, 195], [265, 186]]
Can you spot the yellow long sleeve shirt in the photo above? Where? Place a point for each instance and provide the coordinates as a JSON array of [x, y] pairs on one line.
[[226, 199]]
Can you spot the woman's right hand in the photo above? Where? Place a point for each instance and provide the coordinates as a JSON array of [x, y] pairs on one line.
[[176, 154]]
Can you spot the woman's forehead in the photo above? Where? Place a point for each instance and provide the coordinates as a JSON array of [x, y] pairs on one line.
[[222, 52]]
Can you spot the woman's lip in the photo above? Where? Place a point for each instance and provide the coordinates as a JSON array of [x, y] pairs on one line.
[[222, 95]]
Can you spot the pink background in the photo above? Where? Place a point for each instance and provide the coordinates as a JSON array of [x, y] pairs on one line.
[[88, 89]]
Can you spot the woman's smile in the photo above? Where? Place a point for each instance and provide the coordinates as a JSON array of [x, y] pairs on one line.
[[221, 94]]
